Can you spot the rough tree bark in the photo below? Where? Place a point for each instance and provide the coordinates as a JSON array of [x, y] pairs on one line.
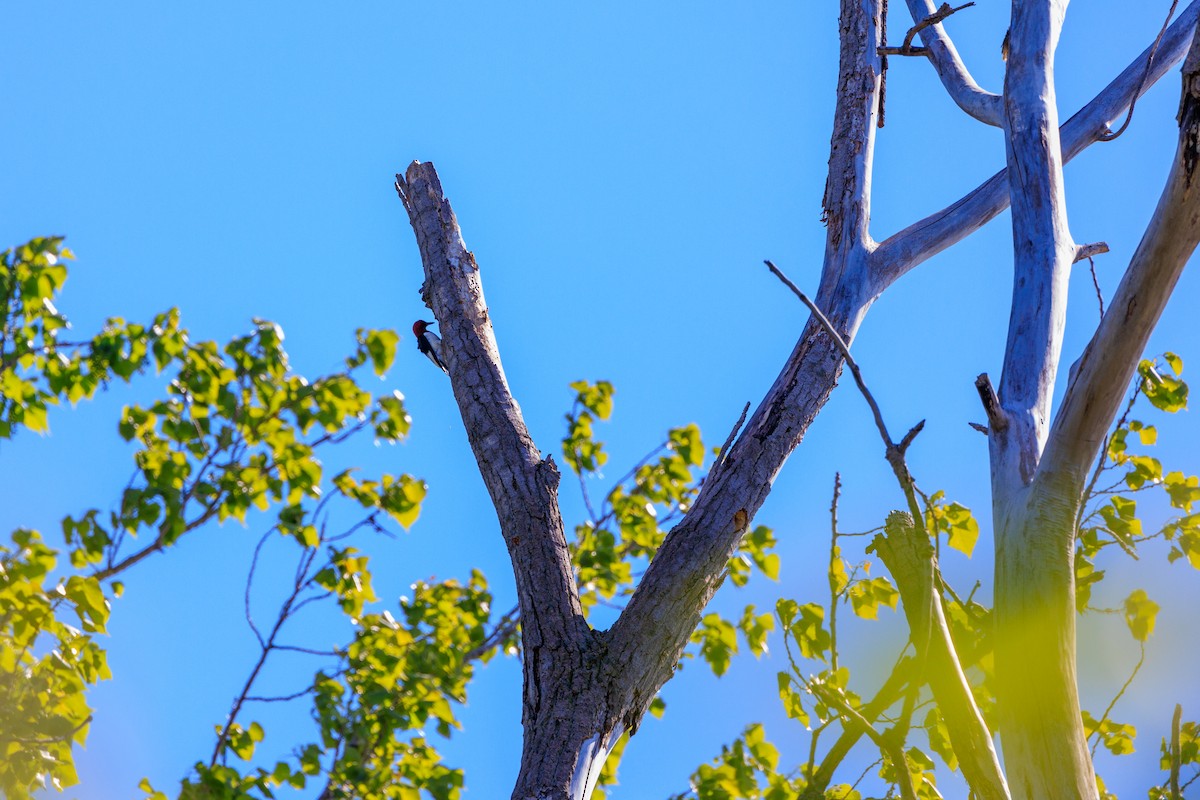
[[584, 688]]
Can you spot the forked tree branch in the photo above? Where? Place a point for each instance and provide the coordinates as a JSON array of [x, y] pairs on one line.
[[523, 487], [1043, 248], [922, 240], [981, 104]]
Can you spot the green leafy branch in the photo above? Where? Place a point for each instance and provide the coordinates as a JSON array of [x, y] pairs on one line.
[[236, 430], [631, 522]]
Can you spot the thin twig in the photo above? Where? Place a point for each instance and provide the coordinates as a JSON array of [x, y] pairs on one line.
[[291, 648], [1099, 723], [837, 340], [872, 710], [894, 750], [628, 475], [289, 608], [1175, 752], [1186, 784], [834, 590], [906, 49], [1096, 285], [280, 698], [249, 583], [811, 766], [870, 767], [579, 473], [1108, 137], [1101, 463], [158, 545], [504, 628], [894, 453]]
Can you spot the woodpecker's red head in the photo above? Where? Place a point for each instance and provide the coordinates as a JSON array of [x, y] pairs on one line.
[[420, 326]]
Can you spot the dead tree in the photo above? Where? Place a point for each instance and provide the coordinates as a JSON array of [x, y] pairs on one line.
[[583, 687]]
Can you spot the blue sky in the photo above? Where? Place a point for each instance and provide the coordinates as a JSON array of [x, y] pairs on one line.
[[620, 171]]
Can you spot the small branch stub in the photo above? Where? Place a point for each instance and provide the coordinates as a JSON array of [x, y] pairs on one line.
[[991, 403], [1090, 250]]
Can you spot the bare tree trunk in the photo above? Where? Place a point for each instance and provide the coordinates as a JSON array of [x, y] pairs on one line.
[[1041, 728], [1038, 472]]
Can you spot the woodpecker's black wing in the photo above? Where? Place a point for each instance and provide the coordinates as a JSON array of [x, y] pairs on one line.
[[429, 344]]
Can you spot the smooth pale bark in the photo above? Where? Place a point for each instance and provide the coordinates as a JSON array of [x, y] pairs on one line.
[[1041, 731], [922, 240], [957, 80]]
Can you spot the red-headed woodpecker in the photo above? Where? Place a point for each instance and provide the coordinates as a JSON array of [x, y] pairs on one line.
[[429, 343]]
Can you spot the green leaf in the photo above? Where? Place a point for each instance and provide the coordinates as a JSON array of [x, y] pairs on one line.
[[1117, 738], [755, 628], [1148, 434], [939, 738], [718, 642], [1183, 491], [381, 346], [809, 632], [839, 576], [866, 596], [1140, 614], [1175, 362], [686, 442], [90, 603], [1165, 392], [786, 610], [793, 701]]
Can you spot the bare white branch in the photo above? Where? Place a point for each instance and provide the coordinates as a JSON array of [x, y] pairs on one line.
[[924, 239], [1043, 248], [981, 104]]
